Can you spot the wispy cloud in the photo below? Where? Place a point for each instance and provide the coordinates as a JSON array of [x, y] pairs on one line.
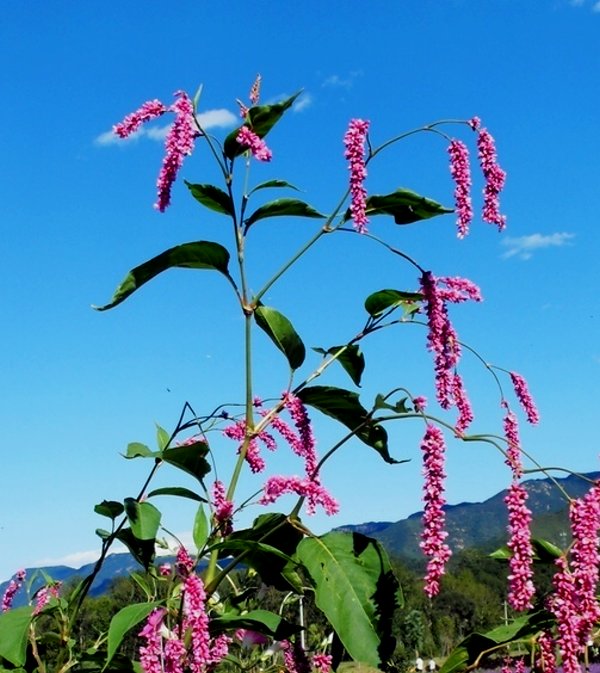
[[210, 119], [594, 5], [523, 247], [342, 82], [75, 560], [304, 102]]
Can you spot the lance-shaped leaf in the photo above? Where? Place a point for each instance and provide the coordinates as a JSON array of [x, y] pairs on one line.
[[273, 183], [14, 628], [262, 118], [262, 621], [212, 197], [190, 458], [284, 207], [178, 491], [351, 359], [141, 550], [344, 406], [201, 528], [124, 621], [356, 589], [144, 518], [404, 205], [197, 255], [378, 302], [282, 333]]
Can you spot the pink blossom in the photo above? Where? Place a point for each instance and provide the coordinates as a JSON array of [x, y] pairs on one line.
[[521, 589], [294, 658], [305, 447], [174, 655], [461, 174], [249, 638], [434, 518], [151, 652], [563, 604], [525, 398], [44, 595], [237, 431], [513, 453], [164, 569], [419, 403], [149, 110], [255, 90], [247, 138], [14, 586], [322, 662], [546, 659], [306, 488], [184, 563], [196, 620], [457, 289], [474, 123], [495, 178], [223, 508], [354, 140], [520, 665], [179, 143], [463, 404]]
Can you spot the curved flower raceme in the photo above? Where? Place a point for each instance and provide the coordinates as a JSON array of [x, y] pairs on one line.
[[513, 453], [521, 589], [223, 508], [310, 489], [494, 176], [461, 174], [13, 586], [149, 110], [525, 398], [433, 537], [354, 140]]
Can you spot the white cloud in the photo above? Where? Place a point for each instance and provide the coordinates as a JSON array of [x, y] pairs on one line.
[[75, 560], [523, 247], [305, 101], [217, 118], [596, 7], [338, 82]]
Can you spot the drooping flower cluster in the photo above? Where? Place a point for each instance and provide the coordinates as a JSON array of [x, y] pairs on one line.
[[14, 585], [315, 493], [442, 340], [294, 657], [495, 178], [256, 462], [354, 140], [179, 141], [223, 508], [249, 139], [520, 584], [433, 537], [322, 662], [563, 604], [525, 398], [513, 453], [461, 174], [546, 658], [44, 595]]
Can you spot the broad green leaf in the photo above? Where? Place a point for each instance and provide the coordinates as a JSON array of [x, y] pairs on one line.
[[261, 120], [404, 206], [141, 550], [138, 450], [543, 552], [273, 183], [190, 458], [197, 255], [14, 627], [144, 519], [356, 589], [124, 621], [178, 491], [110, 508], [351, 359], [283, 207], [262, 621], [103, 533], [143, 584], [282, 333], [200, 530], [381, 301], [212, 197], [343, 405], [162, 438]]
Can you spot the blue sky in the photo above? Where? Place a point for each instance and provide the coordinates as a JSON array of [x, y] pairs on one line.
[[76, 214]]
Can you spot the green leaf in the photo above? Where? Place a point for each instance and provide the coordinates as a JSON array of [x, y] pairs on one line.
[[403, 205], [142, 583], [138, 450], [282, 333], [144, 519], [212, 197], [200, 530], [281, 208], [14, 627], [124, 621], [261, 120], [343, 405], [110, 508], [190, 458], [543, 552], [178, 491], [198, 255], [262, 621], [351, 359], [356, 589], [141, 550], [400, 407], [381, 301], [273, 183], [162, 438]]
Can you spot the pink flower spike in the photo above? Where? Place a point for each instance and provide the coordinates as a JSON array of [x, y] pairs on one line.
[[354, 140], [149, 110], [14, 586], [463, 404], [223, 508], [495, 178], [247, 138], [513, 452], [255, 90], [474, 123], [525, 398], [314, 493], [461, 174], [521, 589]]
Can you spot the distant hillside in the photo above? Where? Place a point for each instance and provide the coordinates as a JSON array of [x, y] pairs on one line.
[[483, 524], [480, 524]]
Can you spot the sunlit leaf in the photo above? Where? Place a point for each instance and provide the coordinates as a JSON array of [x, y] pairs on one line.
[[14, 627], [404, 205], [351, 359], [273, 183], [381, 301], [262, 621], [110, 508], [201, 528], [190, 458], [212, 197], [284, 207], [178, 491], [144, 518], [124, 621], [282, 333]]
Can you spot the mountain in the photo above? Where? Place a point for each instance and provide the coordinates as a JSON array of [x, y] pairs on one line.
[[483, 524], [469, 524]]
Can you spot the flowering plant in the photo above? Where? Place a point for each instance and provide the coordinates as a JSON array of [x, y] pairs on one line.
[[198, 613]]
